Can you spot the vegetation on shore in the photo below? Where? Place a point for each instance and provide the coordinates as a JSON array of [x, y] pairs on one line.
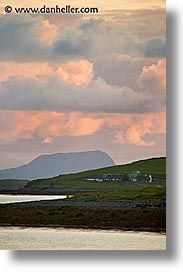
[[12, 184], [140, 216], [149, 192]]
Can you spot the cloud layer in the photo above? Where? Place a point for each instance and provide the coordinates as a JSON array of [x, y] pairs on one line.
[[26, 38], [145, 93], [83, 82], [46, 126]]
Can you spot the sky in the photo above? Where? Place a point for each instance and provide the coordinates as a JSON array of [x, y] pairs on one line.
[[71, 83]]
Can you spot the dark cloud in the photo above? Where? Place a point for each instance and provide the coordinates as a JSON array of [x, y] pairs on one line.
[[20, 39], [155, 47], [71, 48], [93, 38], [89, 38], [120, 70]]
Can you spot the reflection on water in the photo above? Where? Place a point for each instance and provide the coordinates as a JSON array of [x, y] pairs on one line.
[[24, 198], [75, 239]]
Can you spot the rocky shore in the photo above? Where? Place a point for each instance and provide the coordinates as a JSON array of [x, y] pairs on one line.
[[138, 215]]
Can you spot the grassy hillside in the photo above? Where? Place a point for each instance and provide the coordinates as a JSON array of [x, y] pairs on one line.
[[155, 166], [12, 184]]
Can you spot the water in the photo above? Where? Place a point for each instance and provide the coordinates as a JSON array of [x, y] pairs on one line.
[[23, 198], [16, 238]]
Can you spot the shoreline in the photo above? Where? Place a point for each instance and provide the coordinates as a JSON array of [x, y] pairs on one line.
[[52, 193], [137, 230], [8, 226]]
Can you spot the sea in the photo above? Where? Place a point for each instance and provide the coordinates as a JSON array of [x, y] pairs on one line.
[[50, 238], [4, 199]]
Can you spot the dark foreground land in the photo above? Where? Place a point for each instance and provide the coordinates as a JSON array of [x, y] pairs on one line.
[[148, 215]]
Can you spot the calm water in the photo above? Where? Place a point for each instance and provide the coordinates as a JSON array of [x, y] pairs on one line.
[[24, 198], [16, 238]]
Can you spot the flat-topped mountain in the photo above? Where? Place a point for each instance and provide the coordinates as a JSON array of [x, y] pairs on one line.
[[46, 166]]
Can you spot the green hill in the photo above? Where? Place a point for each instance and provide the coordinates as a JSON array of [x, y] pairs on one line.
[[12, 184], [78, 181]]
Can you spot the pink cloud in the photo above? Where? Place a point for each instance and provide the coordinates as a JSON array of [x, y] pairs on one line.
[[48, 140], [47, 32], [75, 72], [46, 125], [24, 70], [133, 128], [153, 77], [125, 129], [145, 125]]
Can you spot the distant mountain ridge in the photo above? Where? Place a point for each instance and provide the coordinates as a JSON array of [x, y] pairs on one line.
[[52, 165]]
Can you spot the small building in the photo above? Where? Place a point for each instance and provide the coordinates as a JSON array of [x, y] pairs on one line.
[[131, 177], [134, 176], [95, 178], [149, 178], [105, 177]]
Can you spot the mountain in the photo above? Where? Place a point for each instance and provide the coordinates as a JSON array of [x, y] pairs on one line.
[[46, 166]]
